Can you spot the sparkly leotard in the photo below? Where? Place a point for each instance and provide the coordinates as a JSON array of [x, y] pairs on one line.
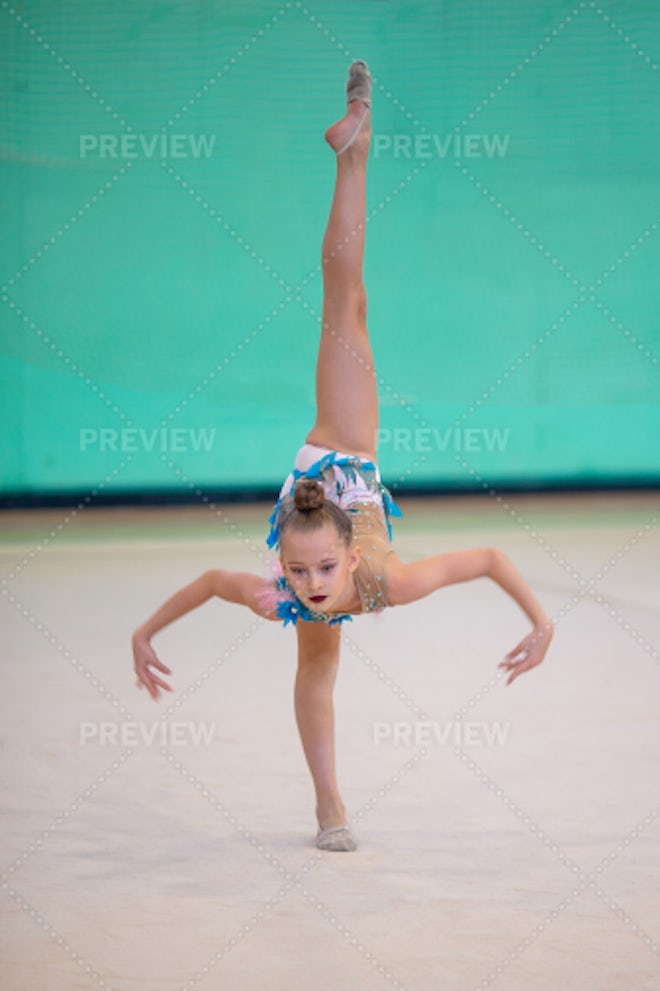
[[354, 484]]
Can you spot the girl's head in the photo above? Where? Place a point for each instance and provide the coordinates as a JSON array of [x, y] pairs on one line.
[[316, 547]]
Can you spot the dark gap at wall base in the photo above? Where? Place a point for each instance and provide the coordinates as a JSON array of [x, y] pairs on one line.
[[268, 494]]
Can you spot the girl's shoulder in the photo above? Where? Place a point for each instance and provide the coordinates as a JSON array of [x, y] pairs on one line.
[[371, 536]]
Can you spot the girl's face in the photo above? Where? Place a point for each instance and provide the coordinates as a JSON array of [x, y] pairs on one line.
[[319, 567]]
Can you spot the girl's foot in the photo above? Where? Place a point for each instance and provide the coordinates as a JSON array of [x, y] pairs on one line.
[[353, 131], [338, 839], [330, 813], [333, 833], [358, 86]]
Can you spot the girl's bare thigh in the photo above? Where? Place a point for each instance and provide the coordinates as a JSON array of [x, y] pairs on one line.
[[346, 386]]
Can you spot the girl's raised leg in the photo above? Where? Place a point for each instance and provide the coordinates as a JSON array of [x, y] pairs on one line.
[[346, 388]]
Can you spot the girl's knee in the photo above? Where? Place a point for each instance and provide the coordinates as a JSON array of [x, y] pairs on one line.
[[361, 304], [318, 662], [350, 302]]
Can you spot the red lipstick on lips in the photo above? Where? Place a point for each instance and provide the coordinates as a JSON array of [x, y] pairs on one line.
[[317, 598]]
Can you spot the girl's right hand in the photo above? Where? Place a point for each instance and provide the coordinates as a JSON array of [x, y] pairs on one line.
[[144, 659]]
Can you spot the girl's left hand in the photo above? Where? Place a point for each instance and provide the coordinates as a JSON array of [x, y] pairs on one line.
[[529, 652]]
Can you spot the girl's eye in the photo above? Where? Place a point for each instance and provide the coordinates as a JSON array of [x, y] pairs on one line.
[[297, 572], [327, 567]]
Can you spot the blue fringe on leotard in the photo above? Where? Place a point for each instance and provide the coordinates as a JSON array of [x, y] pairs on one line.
[[291, 609], [351, 467]]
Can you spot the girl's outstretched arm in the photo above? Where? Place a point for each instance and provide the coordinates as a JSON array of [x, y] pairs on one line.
[[232, 586], [409, 582]]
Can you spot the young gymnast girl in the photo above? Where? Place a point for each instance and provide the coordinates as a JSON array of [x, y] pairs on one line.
[[331, 523]]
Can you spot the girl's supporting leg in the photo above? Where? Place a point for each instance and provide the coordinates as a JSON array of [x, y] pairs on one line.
[[346, 388], [318, 659]]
